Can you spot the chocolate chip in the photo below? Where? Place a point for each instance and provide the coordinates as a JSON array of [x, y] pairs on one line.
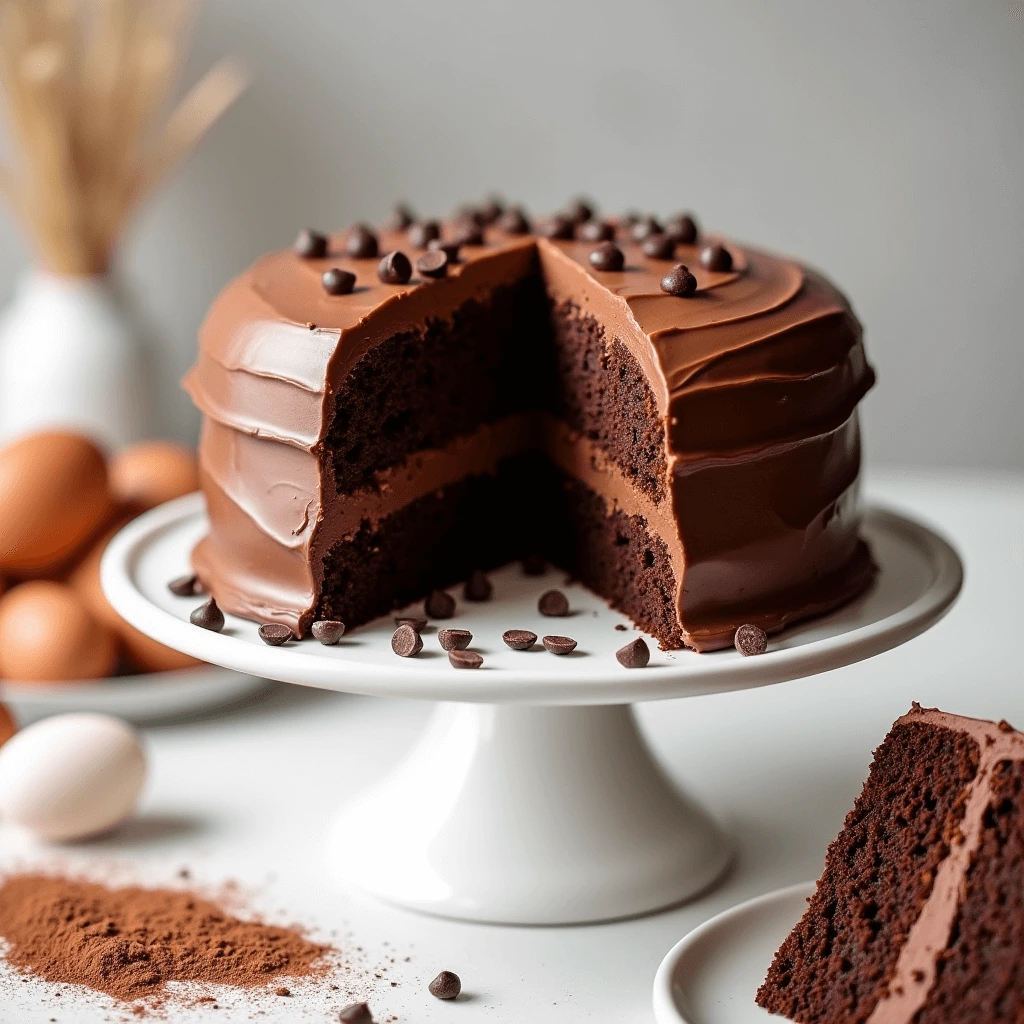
[[439, 605], [628, 219], [311, 245], [607, 257], [185, 586], [433, 264], [553, 603], [209, 616], [468, 234], [406, 642], [620, 627], [534, 565], [679, 281], [423, 232], [401, 217], [750, 640], [447, 985], [450, 249], [636, 654], [327, 631], [579, 210], [361, 242], [660, 247], [478, 587], [555, 227], [337, 281], [716, 257], [491, 210], [465, 659], [274, 634], [412, 620], [595, 231], [514, 222], [682, 229], [644, 228], [469, 212], [356, 1013], [454, 639], [519, 639], [559, 644], [395, 268], [282, 991]]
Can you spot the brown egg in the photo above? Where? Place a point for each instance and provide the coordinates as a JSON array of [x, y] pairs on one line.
[[148, 474], [53, 495], [146, 654], [8, 727], [47, 633]]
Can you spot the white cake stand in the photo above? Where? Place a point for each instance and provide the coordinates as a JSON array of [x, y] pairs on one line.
[[532, 797]]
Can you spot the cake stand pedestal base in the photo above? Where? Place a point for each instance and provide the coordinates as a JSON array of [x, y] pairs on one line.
[[529, 815]]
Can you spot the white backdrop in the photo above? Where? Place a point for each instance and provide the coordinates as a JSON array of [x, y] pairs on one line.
[[882, 141]]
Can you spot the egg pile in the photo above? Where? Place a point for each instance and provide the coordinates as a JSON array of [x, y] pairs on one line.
[[60, 503]]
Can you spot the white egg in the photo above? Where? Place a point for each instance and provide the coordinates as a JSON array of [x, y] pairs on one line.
[[72, 775]]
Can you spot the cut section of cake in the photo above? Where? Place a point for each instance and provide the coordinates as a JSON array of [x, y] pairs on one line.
[[919, 915], [693, 458]]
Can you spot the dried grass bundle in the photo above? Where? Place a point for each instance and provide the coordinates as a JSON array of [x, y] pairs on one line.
[[85, 83]]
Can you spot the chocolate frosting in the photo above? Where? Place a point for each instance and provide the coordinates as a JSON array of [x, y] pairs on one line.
[[757, 377]]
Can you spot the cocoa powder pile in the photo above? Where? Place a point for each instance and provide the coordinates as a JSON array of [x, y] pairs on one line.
[[130, 942]]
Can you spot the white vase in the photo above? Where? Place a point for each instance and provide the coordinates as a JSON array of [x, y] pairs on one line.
[[73, 356]]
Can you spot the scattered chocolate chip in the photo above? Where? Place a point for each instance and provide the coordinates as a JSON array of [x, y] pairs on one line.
[[422, 232], [636, 654], [559, 644], [282, 991], [311, 245], [682, 229], [644, 228], [327, 631], [628, 219], [514, 222], [209, 616], [439, 605], [468, 234], [478, 587], [679, 281], [579, 211], [395, 268], [464, 659], [185, 586], [433, 263], [450, 249], [412, 620], [274, 634], [447, 985], [750, 640], [553, 603], [519, 639], [468, 212], [716, 257], [337, 281], [406, 642], [356, 1013], [595, 231], [607, 256], [400, 219], [534, 565], [361, 242], [454, 639], [491, 210], [620, 627], [660, 247], [555, 227]]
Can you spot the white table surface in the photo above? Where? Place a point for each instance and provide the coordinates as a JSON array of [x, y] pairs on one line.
[[247, 796]]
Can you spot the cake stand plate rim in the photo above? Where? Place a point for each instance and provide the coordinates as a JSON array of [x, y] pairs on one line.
[[544, 679]]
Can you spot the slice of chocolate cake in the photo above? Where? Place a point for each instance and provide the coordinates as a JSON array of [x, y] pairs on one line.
[[684, 441], [919, 915]]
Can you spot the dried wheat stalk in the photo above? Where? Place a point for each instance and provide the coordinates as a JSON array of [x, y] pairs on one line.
[[86, 83]]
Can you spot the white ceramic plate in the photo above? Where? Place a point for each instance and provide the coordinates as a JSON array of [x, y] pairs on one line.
[[712, 975]]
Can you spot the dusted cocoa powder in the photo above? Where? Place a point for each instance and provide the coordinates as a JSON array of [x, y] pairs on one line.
[[130, 942]]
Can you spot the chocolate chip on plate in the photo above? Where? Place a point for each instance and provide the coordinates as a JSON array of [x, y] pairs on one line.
[[450, 249], [607, 257], [356, 1013], [327, 631], [274, 634], [514, 222], [185, 586], [478, 587], [553, 603], [716, 257], [595, 231], [447, 985], [636, 654], [660, 247], [209, 616], [464, 659], [750, 640], [406, 642], [310, 244], [454, 639], [439, 605], [579, 210], [519, 639], [422, 232], [401, 217], [679, 282], [433, 263], [417, 623], [337, 281], [491, 210], [559, 644], [644, 228], [534, 565], [557, 226], [468, 234], [395, 268], [361, 242], [682, 229]]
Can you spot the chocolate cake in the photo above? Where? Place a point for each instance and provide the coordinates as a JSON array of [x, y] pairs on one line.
[[919, 916], [671, 419]]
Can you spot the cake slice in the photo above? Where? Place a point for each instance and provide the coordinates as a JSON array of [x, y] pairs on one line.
[[919, 915]]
